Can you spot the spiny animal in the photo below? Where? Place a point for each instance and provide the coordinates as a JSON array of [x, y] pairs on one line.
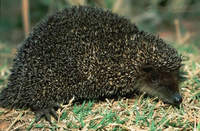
[[89, 53]]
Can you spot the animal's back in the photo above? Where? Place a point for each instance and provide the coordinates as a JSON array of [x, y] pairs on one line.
[[73, 53]]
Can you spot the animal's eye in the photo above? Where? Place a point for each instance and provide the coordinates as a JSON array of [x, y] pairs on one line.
[[147, 68], [154, 78]]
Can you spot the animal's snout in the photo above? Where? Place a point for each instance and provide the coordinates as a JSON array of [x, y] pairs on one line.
[[177, 99]]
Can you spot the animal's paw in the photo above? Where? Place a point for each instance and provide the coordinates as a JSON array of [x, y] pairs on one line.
[[47, 112]]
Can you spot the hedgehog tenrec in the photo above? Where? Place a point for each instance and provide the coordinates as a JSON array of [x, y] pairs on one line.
[[88, 53]]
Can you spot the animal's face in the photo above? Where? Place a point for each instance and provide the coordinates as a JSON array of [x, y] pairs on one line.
[[162, 84]]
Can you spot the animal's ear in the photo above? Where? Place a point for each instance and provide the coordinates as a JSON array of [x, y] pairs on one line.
[[147, 68]]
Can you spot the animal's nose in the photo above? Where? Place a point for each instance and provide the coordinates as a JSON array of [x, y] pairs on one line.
[[177, 99]]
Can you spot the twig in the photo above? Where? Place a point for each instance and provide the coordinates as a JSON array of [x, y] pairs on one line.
[[19, 126], [65, 107], [117, 5], [25, 13], [16, 119], [177, 27], [77, 2], [181, 38], [100, 3]]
